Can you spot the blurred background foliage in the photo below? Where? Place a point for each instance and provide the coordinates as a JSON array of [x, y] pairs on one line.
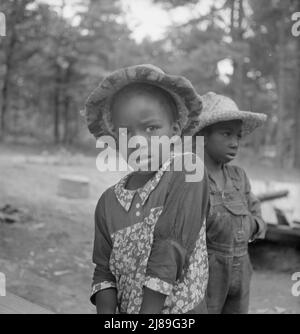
[[49, 63]]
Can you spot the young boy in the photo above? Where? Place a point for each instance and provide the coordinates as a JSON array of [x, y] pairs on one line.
[[234, 216], [150, 245]]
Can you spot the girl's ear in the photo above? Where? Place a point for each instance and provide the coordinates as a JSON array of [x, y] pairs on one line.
[[176, 129], [205, 140]]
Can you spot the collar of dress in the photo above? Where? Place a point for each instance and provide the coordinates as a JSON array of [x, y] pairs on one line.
[[125, 196]]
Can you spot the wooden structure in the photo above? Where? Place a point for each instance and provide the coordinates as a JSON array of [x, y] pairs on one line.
[[271, 195], [284, 230], [12, 304], [73, 186]]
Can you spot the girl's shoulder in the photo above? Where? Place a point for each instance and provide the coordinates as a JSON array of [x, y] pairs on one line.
[[106, 197]]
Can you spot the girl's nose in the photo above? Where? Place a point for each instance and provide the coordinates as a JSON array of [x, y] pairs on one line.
[[141, 137]]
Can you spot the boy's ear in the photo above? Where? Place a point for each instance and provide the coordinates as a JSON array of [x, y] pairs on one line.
[[176, 129]]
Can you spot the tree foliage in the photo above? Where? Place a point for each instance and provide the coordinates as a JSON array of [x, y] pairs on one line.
[[48, 63]]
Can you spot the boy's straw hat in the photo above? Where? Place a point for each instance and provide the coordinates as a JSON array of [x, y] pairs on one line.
[[98, 105], [219, 108]]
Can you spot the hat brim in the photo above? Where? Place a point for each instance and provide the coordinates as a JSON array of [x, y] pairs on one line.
[[250, 120], [98, 104]]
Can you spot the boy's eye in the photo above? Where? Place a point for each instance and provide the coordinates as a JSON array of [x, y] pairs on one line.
[[226, 134]]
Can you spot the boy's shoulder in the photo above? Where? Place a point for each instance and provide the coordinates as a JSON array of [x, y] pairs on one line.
[[187, 168], [187, 161], [236, 172]]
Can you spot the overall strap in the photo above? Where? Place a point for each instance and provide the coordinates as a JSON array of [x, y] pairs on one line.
[[236, 178]]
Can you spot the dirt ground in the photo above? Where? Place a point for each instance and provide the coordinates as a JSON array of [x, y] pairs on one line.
[[46, 257]]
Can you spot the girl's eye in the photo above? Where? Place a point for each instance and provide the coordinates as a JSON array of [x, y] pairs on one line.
[[150, 129], [226, 134]]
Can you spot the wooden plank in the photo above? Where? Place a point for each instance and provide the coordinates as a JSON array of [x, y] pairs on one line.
[[271, 195], [12, 304], [283, 233]]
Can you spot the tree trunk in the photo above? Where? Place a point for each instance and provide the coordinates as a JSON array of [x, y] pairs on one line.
[[237, 16], [4, 104], [66, 105], [232, 17], [9, 52], [66, 102], [57, 106], [281, 92], [240, 62], [297, 111]]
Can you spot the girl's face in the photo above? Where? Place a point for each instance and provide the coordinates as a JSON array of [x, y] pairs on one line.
[[222, 140], [146, 116]]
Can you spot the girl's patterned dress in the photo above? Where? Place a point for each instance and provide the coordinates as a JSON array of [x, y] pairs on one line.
[[153, 237]]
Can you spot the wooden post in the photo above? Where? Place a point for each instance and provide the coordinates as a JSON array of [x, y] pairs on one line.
[[297, 107], [281, 87]]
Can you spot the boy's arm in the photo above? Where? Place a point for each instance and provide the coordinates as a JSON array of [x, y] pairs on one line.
[[259, 226]]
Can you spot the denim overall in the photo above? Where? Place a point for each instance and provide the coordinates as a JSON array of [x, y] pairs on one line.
[[229, 229]]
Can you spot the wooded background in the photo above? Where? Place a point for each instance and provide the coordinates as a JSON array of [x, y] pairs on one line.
[[49, 64]]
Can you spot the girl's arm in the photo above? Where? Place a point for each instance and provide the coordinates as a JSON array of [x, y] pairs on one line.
[[153, 302], [106, 301], [175, 236], [104, 293]]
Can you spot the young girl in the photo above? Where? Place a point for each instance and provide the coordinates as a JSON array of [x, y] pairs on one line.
[[234, 216], [150, 248]]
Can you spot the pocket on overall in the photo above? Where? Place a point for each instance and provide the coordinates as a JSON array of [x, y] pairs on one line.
[[244, 226], [219, 227]]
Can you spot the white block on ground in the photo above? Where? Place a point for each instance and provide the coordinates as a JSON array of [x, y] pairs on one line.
[[73, 186]]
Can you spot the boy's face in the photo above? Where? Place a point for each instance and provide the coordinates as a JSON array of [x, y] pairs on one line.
[[222, 140], [145, 116]]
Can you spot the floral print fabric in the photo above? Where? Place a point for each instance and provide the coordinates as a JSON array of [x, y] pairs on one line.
[[128, 262], [138, 230]]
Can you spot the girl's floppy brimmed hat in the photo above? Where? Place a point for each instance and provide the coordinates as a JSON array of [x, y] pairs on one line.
[[219, 108], [98, 105]]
